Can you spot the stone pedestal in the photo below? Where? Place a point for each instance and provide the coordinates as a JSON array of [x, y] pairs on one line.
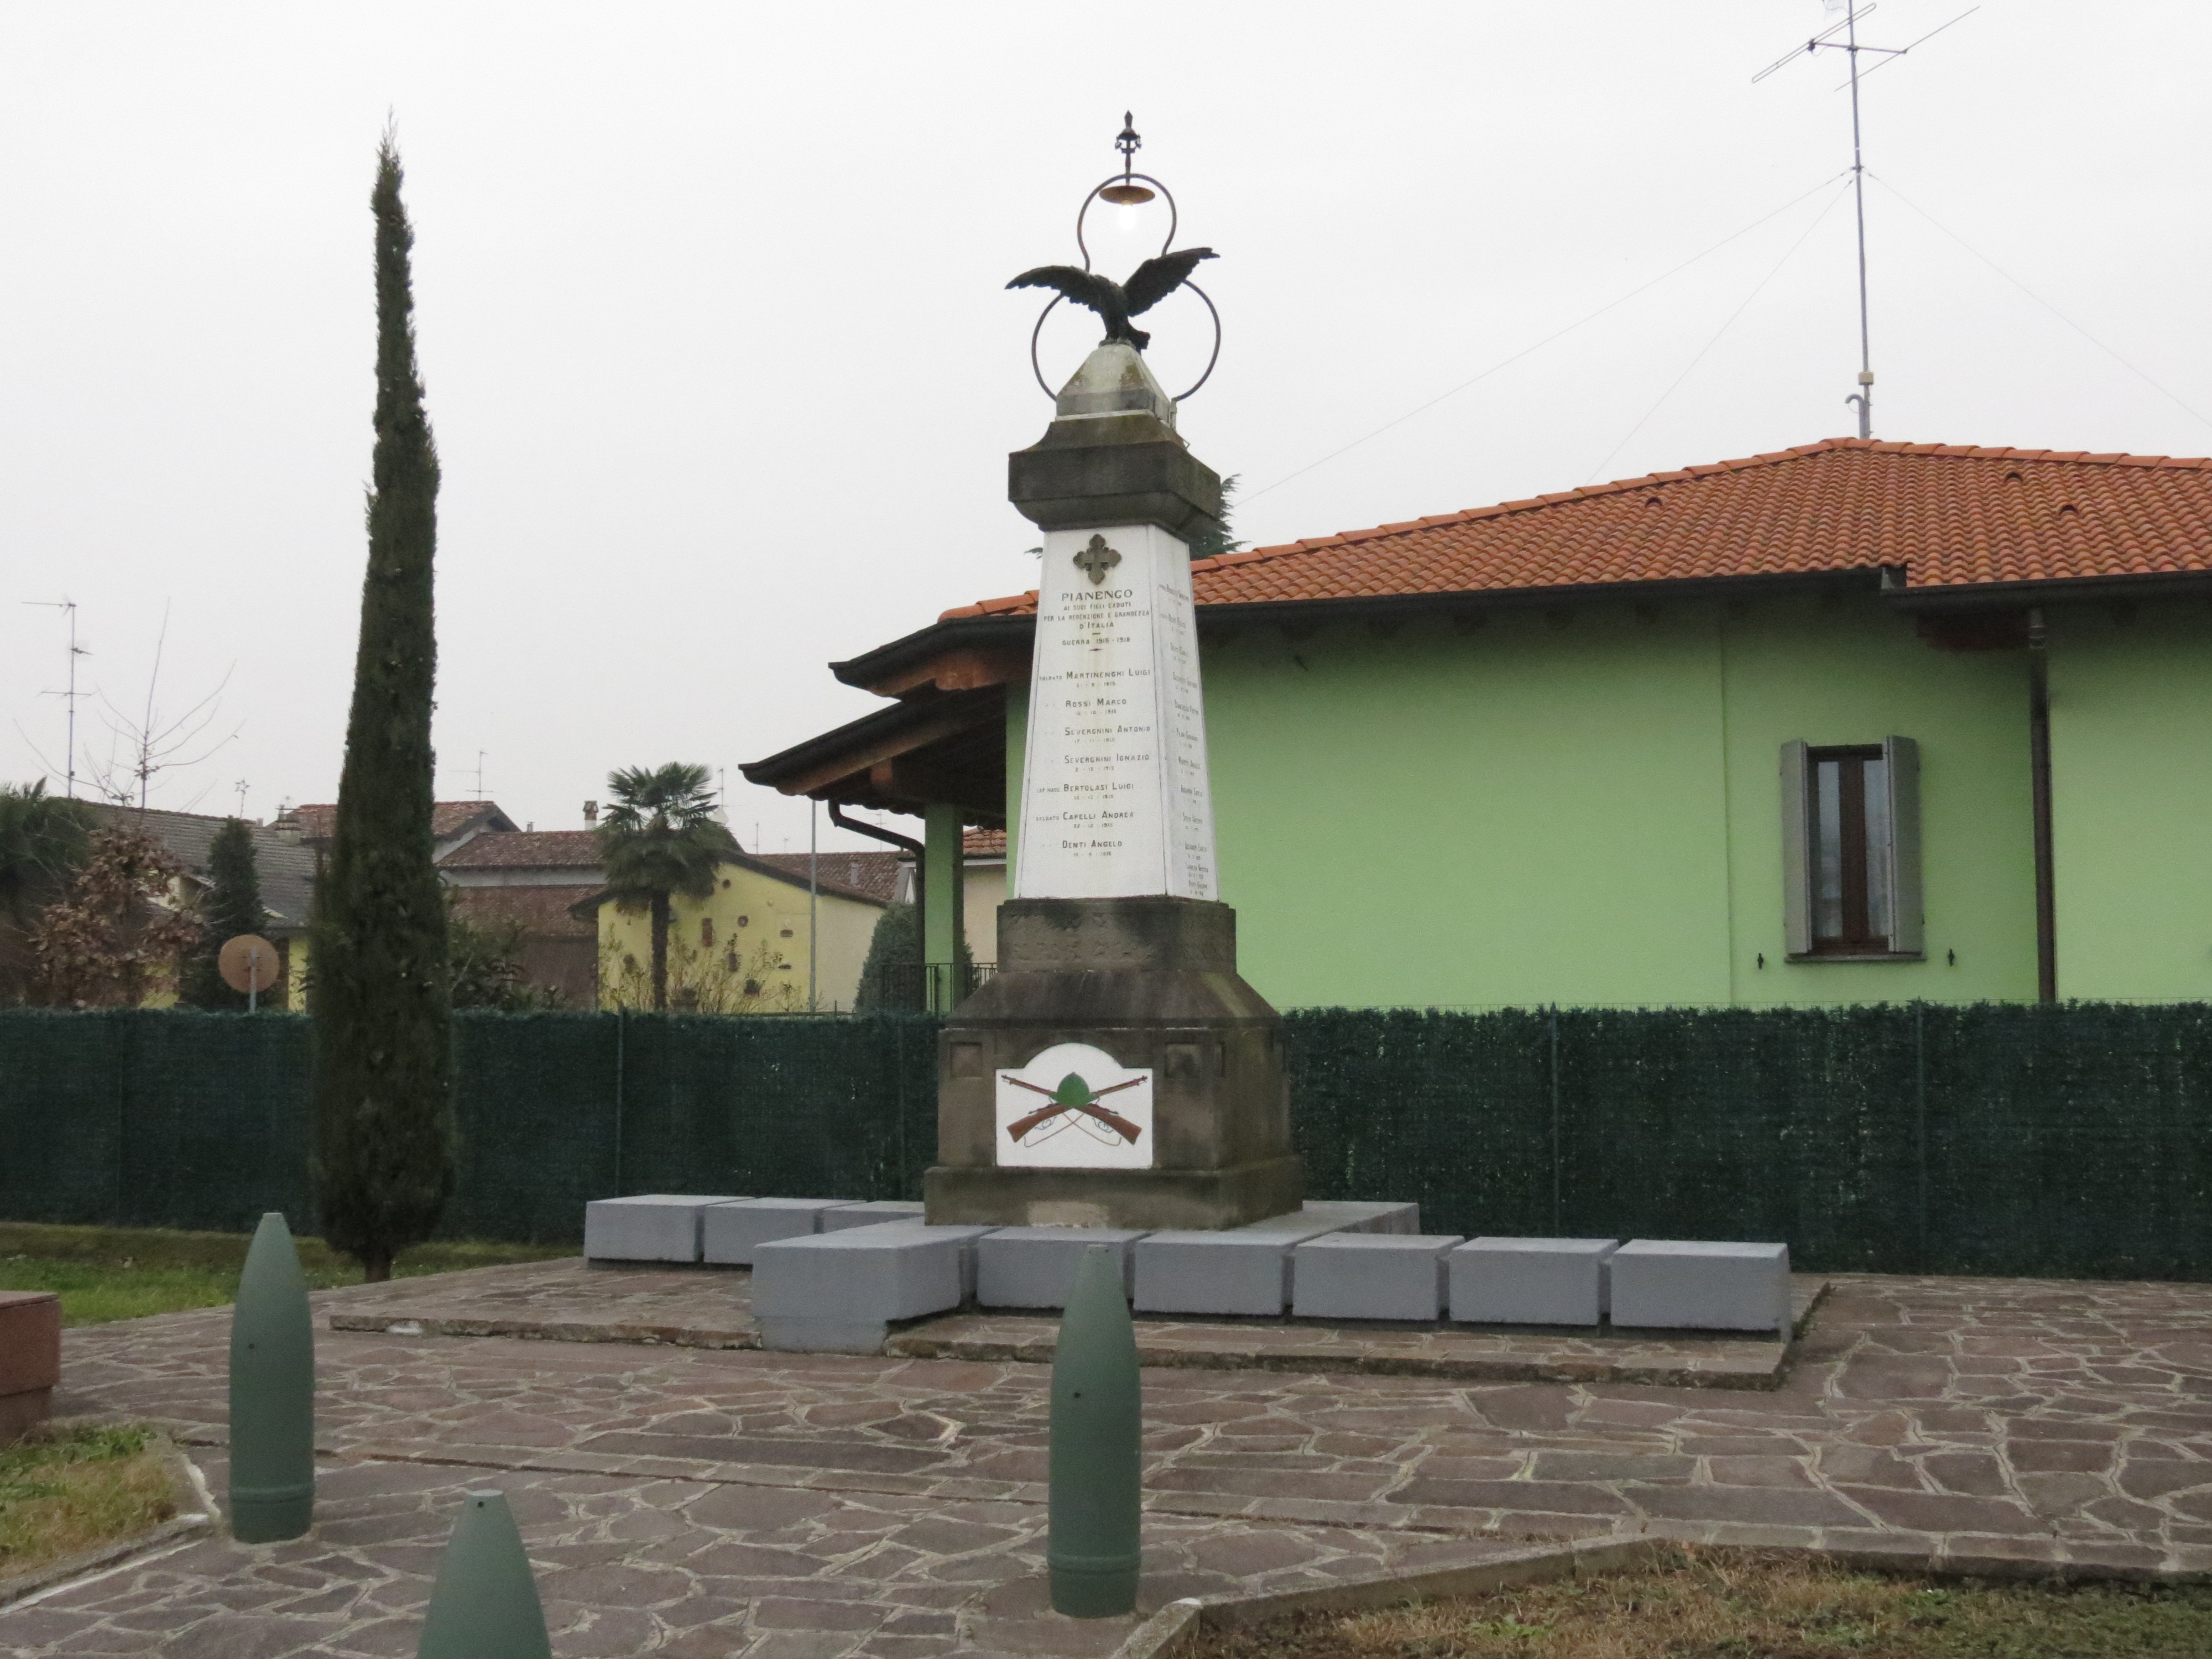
[[1188, 1054]]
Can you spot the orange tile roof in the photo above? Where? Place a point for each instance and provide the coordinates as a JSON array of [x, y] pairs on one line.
[[445, 817], [526, 849], [1951, 516]]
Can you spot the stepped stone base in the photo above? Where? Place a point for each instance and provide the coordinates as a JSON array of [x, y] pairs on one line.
[[1153, 983]]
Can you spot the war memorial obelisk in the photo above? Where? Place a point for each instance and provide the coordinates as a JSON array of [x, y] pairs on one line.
[[1115, 1071]]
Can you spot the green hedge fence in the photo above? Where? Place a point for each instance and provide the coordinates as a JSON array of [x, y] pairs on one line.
[[2074, 1140]]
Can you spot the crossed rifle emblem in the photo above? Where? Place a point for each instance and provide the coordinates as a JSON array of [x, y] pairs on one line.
[[1075, 1096]]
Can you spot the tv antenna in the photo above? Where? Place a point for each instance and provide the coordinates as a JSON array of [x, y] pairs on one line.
[[76, 649], [1851, 46]]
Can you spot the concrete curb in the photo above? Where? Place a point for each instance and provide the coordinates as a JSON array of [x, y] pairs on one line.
[[544, 1330], [1163, 1633], [197, 1520], [1166, 1630]]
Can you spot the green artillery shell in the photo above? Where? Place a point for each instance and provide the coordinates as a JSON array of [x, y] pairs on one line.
[[1097, 1417], [272, 1392], [484, 1604]]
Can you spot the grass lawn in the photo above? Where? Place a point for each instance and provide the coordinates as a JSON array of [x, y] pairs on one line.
[[123, 1273], [62, 1491], [1740, 1605]]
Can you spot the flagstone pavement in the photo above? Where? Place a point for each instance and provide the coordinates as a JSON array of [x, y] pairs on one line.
[[696, 1501]]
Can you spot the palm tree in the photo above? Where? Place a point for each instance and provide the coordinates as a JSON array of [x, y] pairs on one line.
[[661, 838]]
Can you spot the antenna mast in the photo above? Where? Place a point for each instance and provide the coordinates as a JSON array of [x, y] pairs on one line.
[[69, 697], [1864, 396], [1851, 47]]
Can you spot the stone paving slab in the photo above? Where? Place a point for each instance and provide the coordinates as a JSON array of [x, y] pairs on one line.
[[679, 1567], [1471, 1355], [570, 1301], [697, 1502]]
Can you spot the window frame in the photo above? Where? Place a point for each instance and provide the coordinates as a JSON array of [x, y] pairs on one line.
[[1906, 940]]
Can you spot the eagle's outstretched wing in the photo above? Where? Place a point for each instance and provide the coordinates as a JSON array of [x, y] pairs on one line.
[[1085, 288], [1155, 279]]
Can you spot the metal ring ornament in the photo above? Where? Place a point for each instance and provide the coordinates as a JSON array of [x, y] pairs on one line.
[[1084, 212], [1174, 219]]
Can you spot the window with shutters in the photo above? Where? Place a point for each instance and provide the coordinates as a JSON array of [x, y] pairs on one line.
[[1851, 851]]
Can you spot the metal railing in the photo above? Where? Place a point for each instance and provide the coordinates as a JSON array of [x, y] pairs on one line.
[[935, 987]]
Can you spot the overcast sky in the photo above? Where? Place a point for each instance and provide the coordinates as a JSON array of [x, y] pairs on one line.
[[712, 316]]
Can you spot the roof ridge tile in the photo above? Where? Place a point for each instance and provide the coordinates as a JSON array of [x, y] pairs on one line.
[[1758, 514]]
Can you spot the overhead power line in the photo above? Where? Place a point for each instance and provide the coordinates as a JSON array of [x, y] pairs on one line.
[[1560, 334], [2166, 392], [1707, 346]]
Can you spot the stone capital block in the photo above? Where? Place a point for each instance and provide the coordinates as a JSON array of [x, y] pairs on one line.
[[1696, 1286]]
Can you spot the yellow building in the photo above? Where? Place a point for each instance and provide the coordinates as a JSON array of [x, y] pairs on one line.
[[746, 948]]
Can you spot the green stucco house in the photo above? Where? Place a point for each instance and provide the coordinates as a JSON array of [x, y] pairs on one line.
[[1853, 722]]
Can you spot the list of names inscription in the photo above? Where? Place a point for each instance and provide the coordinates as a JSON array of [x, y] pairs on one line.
[[1115, 797]]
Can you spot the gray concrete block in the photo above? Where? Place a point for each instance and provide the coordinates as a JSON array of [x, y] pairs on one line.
[[1240, 1270], [1034, 1267], [869, 1214], [1370, 1275], [838, 1293], [649, 1227], [1362, 1217], [1528, 1281], [729, 1233], [1679, 1284]]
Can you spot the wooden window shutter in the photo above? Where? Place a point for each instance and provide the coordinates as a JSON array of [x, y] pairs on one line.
[[1908, 911], [1796, 849]]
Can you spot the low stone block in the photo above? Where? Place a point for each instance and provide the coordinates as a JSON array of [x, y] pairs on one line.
[[1034, 1267], [1529, 1281], [30, 1358], [839, 1292], [1239, 1270], [729, 1233], [1360, 1216], [1681, 1285], [1370, 1275], [869, 1214], [650, 1227]]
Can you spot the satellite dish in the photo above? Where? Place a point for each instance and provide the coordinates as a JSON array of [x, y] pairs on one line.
[[247, 963]]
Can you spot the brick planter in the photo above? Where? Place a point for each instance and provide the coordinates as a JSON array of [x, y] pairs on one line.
[[30, 1358]]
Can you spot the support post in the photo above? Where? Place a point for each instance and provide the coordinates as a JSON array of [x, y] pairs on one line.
[[2038, 771], [813, 904], [941, 870]]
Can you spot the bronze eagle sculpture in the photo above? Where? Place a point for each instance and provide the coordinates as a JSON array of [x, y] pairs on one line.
[[1116, 302]]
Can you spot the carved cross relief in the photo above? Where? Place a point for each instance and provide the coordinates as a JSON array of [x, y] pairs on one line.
[[1095, 559]]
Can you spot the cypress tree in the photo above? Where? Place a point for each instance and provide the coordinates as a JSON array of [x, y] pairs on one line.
[[380, 991], [233, 907]]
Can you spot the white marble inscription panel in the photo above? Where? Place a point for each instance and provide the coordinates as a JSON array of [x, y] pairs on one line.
[[1115, 801]]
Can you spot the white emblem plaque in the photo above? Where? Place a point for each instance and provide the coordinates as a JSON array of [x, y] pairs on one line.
[[1074, 1107]]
